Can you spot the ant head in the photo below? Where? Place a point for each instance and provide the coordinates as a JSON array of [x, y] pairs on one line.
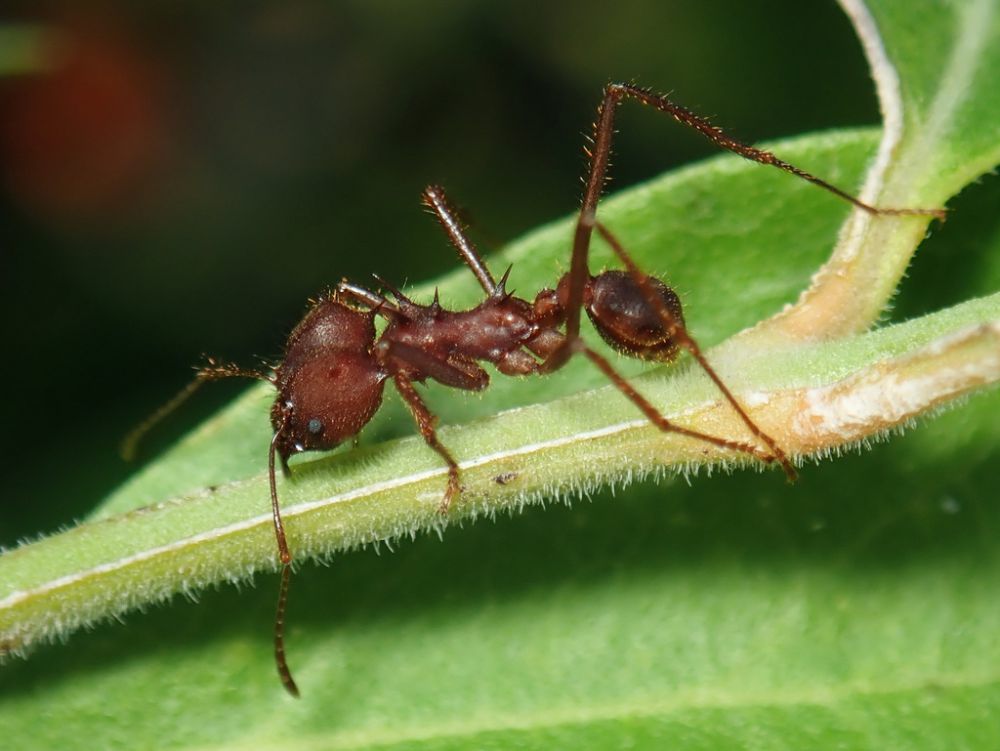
[[326, 400], [329, 385], [622, 315]]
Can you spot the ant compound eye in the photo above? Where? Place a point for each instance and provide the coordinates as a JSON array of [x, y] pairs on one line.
[[328, 411]]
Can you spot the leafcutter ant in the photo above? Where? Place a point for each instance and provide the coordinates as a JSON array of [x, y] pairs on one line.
[[331, 380]]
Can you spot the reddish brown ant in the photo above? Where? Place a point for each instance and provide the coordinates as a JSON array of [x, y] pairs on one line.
[[330, 382]]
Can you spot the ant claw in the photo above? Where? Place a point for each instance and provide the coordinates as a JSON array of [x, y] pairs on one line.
[[453, 489]]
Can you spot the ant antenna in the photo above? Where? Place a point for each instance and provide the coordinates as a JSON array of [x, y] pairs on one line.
[[286, 569], [213, 371], [130, 444]]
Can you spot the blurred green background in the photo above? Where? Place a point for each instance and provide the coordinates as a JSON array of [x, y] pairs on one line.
[[178, 178]]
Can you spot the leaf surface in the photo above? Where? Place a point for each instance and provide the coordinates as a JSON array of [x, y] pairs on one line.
[[856, 608]]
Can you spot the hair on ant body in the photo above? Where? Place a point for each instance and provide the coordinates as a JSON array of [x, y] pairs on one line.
[[335, 367]]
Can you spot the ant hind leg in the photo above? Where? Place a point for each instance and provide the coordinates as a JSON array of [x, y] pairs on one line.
[[679, 334], [599, 156], [661, 422]]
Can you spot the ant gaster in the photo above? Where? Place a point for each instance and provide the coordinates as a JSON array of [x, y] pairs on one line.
[[331, 380]]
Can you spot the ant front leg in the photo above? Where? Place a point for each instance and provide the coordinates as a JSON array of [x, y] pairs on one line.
[[425, 421]]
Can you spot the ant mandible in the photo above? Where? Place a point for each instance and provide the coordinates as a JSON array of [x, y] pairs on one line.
[[330, 382]]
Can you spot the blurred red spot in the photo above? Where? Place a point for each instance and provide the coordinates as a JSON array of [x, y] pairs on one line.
[[82, 138]]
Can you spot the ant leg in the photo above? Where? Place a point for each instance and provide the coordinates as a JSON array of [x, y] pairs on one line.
[[616, 92], [425, 421], [679, 334], [434, 198], [599, 156], [654, 416], [458, 373], [579, 270]]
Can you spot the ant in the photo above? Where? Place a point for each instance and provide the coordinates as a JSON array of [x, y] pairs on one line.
[[330, 383]]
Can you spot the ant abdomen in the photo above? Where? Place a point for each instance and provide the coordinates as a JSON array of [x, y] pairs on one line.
[[620, 311]]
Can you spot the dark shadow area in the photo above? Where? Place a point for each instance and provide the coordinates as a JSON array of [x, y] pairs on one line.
[[959, 260]]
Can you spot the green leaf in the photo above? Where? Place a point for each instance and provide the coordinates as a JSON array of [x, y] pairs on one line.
[[951, 129], [22, 48], [934, 65], [856, 608], [860, 610]]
